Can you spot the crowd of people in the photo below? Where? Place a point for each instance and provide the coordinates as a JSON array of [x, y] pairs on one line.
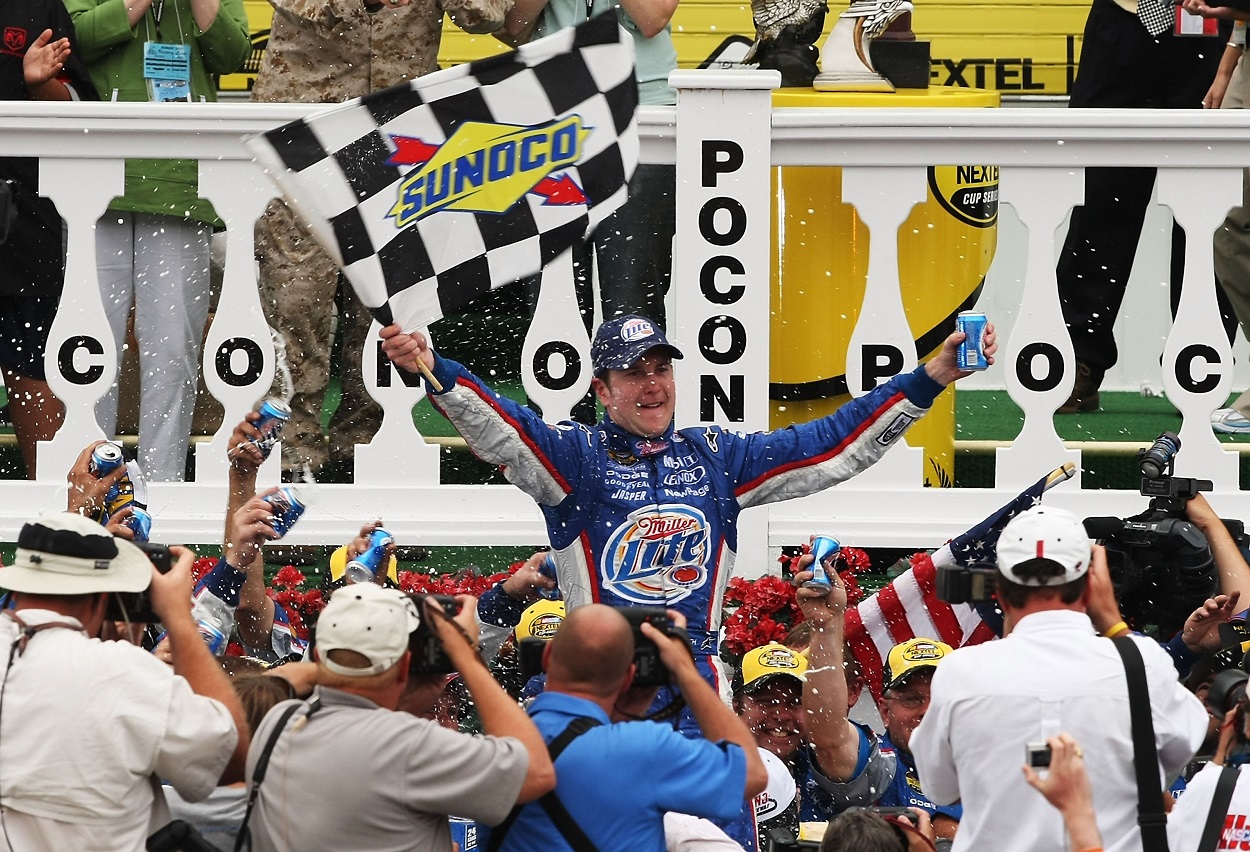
[[602, 719], [608, 719]]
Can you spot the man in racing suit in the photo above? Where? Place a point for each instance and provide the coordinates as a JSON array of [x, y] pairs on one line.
[[641, 513]]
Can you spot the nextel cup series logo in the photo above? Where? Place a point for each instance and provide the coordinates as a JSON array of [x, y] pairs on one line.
[[486, 168], [658, 556]]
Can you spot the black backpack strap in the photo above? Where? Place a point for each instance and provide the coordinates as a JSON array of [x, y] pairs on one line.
[[552, 805], [258, 775], [1150, 816], [1222, 798]]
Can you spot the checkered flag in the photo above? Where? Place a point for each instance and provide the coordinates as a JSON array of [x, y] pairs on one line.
[[432, 193]]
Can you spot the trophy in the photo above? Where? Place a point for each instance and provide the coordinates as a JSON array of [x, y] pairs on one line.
[[785, 38], [845, 61]]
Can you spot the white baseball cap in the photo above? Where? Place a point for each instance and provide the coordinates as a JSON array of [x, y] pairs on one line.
[[370, 620], [1046, 533]]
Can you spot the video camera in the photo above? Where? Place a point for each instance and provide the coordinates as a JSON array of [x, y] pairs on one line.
[[957, 584], [1160, 563]]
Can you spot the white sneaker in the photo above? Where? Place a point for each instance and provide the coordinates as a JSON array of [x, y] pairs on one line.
[[1230, 421]]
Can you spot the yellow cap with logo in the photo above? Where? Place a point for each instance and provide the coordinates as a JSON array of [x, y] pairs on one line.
[[540, 620], [769, 661], [911, 656]]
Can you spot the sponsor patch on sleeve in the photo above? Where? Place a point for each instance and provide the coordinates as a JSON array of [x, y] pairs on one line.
[[896, 428]]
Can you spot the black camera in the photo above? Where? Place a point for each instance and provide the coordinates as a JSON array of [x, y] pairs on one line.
[[649, 669], [957, 584], [1160, 563], [428, 656], [785, 840], [529, 653], [1037, 755], [137, 606]]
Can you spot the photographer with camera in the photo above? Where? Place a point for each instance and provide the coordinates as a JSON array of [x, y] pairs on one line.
[[87, 725], [1216, 801], [1050, 672], [616, 780], [346, 770], [868, 830]]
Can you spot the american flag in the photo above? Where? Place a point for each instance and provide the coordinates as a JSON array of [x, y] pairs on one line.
[[908, 606], [432, 193]]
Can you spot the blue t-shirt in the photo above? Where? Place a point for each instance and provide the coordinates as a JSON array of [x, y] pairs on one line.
[[618, 780]]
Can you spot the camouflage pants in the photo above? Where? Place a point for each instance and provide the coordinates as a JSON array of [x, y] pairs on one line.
[[298, 286]]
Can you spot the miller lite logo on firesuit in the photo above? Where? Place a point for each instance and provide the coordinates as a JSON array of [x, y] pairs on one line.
[[657, 556]]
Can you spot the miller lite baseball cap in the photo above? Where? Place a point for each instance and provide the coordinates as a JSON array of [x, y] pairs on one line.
[[370, 620], [621, 341], [766, 663], [1044, 533], [907, 658]]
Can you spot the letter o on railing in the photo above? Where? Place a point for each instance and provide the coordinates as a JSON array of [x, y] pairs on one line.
[[255, 361]]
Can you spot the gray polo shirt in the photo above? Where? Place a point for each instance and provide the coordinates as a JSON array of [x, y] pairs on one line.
[[357, 776]]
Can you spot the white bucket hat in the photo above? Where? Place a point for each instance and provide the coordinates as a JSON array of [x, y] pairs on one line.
[[67, 554]]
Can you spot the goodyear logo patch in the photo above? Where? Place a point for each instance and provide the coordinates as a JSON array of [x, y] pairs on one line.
[[658, 555], [487, 168], [969, 193]]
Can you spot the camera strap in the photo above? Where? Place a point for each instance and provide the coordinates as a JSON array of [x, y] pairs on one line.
[[258, 775], [1150, 816], [1220, 800], [550, 803]]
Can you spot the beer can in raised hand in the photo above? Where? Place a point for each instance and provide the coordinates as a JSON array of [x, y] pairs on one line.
[[971, 355], [824, 548]]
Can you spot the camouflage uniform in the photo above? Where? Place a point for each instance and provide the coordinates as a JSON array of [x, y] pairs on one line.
[[327, 51]]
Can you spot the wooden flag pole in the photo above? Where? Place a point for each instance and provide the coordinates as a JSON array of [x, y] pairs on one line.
[[1060, 474], [438, 388]]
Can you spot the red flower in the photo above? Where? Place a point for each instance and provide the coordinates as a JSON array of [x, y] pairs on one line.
[[201, 567], [766, 609]]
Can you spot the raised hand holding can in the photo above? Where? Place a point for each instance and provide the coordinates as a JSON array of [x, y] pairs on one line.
[[824, 549]]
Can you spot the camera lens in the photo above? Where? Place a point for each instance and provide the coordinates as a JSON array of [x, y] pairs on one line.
[[1225, 691], [1154, 462]]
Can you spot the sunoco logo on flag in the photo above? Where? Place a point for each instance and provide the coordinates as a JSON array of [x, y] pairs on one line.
[[487, 168], [432, 193]]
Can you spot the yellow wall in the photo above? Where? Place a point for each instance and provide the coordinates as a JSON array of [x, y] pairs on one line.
[[1012, 46]]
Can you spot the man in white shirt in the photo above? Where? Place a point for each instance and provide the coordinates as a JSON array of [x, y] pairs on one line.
[[1051, 673], [89, 728]]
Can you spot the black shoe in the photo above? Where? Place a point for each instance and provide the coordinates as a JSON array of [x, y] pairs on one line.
[[1084, 391]]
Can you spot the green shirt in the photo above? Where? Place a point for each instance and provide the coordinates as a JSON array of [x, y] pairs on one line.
[[113, 50]]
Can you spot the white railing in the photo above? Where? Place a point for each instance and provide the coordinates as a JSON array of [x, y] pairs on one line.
[[883, 153]]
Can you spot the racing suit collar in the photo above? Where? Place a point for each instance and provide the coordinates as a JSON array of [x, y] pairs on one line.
[[638, 446]]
